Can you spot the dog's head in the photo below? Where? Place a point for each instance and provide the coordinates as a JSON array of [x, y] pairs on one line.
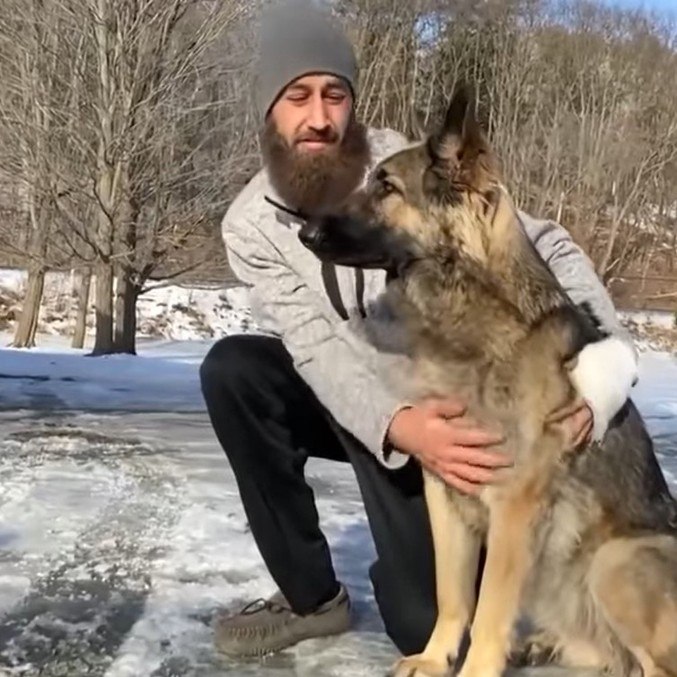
[[438, 198]]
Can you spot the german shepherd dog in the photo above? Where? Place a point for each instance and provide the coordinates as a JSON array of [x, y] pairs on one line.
[[583, 543]]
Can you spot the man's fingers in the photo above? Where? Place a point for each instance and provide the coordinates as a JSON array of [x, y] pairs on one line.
[[584, 432], [482, 458], [579, 425], [474, 456], [462, 485], [453, 480], [470, 473], [466, 422], [461, 436], [449, 407], [478, 457], [565, 412]]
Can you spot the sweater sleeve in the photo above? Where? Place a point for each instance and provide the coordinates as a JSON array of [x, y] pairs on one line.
[[606, 371], [331, 360]]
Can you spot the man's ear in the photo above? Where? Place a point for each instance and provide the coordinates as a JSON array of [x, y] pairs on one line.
[[460, 150]]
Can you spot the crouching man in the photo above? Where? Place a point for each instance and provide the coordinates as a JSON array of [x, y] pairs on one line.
[[308, 386]]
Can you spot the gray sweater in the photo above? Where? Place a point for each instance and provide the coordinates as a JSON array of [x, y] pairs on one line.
[[315, 309]]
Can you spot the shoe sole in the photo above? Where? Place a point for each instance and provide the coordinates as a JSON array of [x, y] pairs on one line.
[[261, 653]]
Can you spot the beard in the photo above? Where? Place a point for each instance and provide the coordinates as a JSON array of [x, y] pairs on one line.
[[316, 182]]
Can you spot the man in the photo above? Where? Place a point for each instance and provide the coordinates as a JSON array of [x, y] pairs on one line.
[[310, 386]]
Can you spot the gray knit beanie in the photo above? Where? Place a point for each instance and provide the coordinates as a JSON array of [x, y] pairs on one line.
[[298, 38]]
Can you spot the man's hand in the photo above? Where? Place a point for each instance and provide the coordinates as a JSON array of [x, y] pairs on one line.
[[578, 422], [448, 443]]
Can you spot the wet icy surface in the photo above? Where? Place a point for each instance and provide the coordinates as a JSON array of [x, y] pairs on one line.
[[121, 535], [121, 532]]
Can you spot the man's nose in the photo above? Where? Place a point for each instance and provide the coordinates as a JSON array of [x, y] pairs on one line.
[[318, 118]]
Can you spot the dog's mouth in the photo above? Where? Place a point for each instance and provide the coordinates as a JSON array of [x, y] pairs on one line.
[[346, 241]]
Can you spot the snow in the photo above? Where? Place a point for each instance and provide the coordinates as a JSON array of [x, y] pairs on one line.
[[178, 313], [121, 530], [169, 311], [115, 499], [164, 377], [658, 318]]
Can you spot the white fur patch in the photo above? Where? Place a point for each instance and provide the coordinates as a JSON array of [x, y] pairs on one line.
[[604, 375]]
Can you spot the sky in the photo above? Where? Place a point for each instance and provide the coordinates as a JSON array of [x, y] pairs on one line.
[[669, 6]]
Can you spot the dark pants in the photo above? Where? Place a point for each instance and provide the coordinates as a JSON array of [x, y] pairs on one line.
[[269, 422]]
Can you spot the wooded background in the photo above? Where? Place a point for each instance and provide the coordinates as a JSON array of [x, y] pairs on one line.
[[126, 128]]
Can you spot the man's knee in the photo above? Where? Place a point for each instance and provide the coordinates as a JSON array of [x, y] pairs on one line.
[[235, 361]]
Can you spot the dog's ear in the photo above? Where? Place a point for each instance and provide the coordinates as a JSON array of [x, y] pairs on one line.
[[460, 126], [460, 150]]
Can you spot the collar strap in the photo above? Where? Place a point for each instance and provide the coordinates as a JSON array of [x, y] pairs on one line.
[[292, 212]]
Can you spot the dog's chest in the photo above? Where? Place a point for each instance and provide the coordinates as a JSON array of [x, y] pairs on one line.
[[487, 389], [473, 511]]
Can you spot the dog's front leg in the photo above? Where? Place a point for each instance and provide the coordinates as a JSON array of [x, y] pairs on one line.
[[456, 561], [506, 568]]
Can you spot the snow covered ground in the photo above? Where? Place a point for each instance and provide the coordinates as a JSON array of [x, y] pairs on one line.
[[179, 313], [121, 532], [169, 311]]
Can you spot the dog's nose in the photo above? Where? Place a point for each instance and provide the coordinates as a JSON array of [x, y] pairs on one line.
[[310, 235]]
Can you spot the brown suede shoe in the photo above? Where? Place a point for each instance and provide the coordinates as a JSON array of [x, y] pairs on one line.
[[269, 625]]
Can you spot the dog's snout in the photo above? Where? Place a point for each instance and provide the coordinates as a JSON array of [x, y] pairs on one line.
[[310, 235]]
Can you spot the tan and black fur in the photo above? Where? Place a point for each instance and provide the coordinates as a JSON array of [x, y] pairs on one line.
[[584, 543]]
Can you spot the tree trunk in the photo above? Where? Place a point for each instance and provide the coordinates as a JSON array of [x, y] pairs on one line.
[[28, 323], [118, 309], [605, 260], [106, 182], [125, 314], [84, 283], [103, 341], [128, 343]]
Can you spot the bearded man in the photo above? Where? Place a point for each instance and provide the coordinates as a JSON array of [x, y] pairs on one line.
[[308, 385]]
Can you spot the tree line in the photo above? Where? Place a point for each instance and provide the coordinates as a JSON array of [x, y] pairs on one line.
[[126, 128]]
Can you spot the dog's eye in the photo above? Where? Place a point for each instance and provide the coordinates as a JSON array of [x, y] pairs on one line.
[[389, 187], [385, 184]]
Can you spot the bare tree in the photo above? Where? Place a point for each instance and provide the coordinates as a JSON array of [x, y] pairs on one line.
[[82, 287], [126, 169], [126, 128], [34, 82]]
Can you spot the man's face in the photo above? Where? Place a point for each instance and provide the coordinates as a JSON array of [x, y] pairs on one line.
[[313, 112]]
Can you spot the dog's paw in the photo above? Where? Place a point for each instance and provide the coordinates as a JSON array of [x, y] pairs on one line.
[[481, 666], [484, 671], [420, 666]]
